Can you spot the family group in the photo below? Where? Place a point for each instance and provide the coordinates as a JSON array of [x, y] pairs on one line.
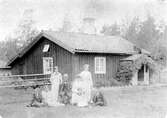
[[62, 92]]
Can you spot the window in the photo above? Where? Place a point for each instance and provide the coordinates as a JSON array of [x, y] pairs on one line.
[[100, 65], [46, 48], [47, 65]]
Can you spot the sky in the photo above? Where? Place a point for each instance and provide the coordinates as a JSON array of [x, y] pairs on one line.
[[49, 14]]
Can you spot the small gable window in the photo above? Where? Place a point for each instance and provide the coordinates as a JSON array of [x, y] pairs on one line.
[[100, 65], [46, 48]]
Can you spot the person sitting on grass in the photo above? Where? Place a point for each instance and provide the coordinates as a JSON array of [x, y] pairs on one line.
[[65, 90], [78, 92], [98, 99], [37, 97]]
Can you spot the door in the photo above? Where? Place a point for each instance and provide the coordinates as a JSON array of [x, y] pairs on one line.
[[47, 65]]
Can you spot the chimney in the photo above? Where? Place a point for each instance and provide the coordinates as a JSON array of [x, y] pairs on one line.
[[88, 25]]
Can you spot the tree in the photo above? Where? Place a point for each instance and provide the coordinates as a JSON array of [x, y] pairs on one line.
[[113, 29], [133, 30], [144, 34], [148, 35], [11, 48], [8, 49], [24, 34], [160, 52], [3, 51], [26, 30]]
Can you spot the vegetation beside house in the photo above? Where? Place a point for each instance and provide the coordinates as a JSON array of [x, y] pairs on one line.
[[135, 64]]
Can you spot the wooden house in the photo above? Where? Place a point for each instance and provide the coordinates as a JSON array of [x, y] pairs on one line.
[[70, 51]]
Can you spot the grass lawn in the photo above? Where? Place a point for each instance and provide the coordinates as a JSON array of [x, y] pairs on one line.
[[133, 102]]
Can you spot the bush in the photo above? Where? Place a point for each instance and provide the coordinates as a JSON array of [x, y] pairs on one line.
[[128, 68], [125, 72]]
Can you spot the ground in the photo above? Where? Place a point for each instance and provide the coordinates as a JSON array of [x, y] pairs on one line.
[[126, 102]]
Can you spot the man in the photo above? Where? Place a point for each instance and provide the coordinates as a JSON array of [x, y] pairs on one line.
[[87, 82]]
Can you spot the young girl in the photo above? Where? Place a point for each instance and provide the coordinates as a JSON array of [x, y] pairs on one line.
[[78, 93], [65, 90]]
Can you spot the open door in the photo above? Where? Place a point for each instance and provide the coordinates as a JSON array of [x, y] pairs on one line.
[[141, 74]]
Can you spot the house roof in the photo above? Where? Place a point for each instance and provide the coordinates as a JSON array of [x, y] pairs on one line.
[[139, 59], [80, 42], [132, 58], [142, 57]]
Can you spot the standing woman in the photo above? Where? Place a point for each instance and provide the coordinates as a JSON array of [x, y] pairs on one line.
[[87, 84], [52, 95]]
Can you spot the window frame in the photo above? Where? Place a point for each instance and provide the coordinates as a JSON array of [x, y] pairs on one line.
[[100, 69], [46, 48], [51, 68]]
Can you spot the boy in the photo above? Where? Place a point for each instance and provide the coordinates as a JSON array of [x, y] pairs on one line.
[[65, 90], [37, 97]]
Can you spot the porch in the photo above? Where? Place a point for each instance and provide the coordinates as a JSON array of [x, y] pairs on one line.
[[142, 68]]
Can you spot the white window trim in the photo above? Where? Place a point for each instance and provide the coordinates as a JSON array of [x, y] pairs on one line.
[[46, 48], [49, 58], [104, 69]]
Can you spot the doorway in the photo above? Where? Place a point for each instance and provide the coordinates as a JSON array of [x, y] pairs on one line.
[[141, 74]]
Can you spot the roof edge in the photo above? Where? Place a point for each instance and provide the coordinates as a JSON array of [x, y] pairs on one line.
[[107, 52], [21, 53], [58, 42], [35, 40]]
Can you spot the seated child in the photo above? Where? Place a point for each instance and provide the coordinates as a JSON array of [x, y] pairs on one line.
[[65, 90], [78, 93], [98, 99], [37, 97]]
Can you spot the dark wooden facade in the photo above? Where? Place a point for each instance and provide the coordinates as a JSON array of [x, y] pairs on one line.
[[112, 63], [70, 63], [32, 63]]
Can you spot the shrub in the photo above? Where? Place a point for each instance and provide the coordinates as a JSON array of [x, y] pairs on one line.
[[128, 68]]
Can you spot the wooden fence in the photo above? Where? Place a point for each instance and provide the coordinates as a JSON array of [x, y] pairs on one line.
[[24, 80]]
